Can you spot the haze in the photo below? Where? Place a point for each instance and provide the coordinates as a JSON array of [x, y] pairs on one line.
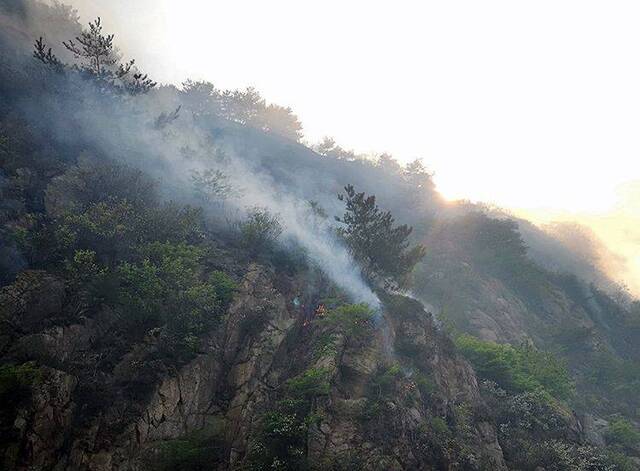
[[531, 106]]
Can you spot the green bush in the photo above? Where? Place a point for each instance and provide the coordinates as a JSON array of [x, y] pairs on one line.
[[167, 287], [517, 369], [355, 321], [325, 346], [140, 292], [260, 230], [225, 287], [281, 442], [440, 427], [197, 451], [107, 228], [311, 383], [384, 382], [561, 455], [425, 385], [622, 432], [620, 461], [15, 379]]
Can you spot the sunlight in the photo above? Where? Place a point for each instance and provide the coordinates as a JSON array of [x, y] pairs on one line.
[[542, 121]]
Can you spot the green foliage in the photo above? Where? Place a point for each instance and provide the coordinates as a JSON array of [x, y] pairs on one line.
[[245, 107], [93, 181], [495, 246], [623, 433], [260, 230], [355, 321], [98, 59], [140, 292], [609, 369], [168, 286], [425, 385], [197, 451], [107, 229], [313, 382], [380, 247], [170, 222], [83, 269], [536, 432], [532, 412], [559, 455], [110, 209], [15, 379], [517, 369], [440, 427], [385, 380], [211, 185], [225, 287], [325, 346], [281, 442], [620, 461]]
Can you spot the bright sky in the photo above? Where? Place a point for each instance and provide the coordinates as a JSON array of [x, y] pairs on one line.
[[531, 105]]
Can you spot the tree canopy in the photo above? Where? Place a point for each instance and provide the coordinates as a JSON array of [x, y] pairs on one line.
[[375, 241], [97, 58]]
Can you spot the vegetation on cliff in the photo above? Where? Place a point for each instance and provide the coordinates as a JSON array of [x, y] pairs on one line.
[[176, 295]]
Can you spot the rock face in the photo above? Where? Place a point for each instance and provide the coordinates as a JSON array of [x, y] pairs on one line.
[[265, 340]]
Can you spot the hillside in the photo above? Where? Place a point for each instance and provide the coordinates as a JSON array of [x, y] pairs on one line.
[[186, 284]]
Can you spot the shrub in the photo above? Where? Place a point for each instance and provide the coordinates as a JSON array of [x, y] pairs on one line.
[[517, 369], [620, 461], [260, 230], [140, 292], [281, 442], [94, 181], [211, 185], [440, 427], [353, 320], [197, 451], [384, 382], [83, 267], [311, 383], [622, 432], [225, 287], [109, 229], [559, 455], [168, 286], [425, 385], [325, 346], [15, 379]]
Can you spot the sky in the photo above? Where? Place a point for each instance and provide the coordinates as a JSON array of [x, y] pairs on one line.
[[532, 106]]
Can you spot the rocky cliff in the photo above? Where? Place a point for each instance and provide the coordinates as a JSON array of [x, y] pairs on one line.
[[82, 412]]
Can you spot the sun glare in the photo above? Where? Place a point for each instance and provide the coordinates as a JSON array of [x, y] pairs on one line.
[[540, 112]]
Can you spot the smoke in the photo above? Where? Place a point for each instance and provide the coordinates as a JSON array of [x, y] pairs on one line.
[[11, 260], [570, 247], [163, 155], [272, 172], [312, 233], [82, 118]]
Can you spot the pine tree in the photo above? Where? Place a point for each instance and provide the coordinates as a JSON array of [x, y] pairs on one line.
[[100, 59], [95, 50], [382, 248]]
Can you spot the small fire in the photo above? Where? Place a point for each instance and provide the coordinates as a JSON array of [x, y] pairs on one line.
[[320, 311]]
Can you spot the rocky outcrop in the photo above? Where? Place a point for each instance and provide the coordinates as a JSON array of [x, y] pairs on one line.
[[262, 342]]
